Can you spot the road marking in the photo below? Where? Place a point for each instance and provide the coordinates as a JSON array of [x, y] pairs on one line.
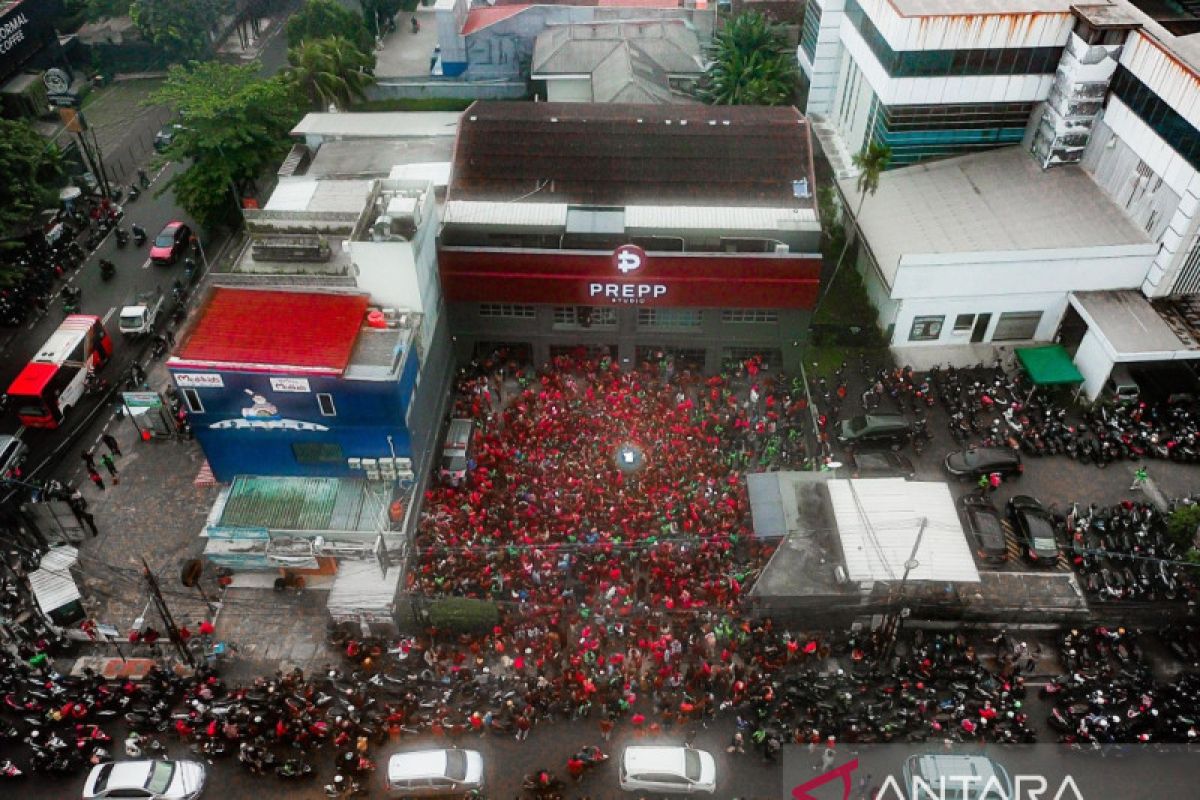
[[108, 316], [20, 432], [146, 265]]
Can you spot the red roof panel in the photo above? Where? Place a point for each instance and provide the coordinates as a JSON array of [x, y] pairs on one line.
[[480, 18], [256, 328], [32, 380]]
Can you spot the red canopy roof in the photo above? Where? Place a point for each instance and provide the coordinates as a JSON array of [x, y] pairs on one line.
[[32, 380], [312, 332]]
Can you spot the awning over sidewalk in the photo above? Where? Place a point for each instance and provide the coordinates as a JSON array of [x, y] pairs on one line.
[[54, 586], [1049, 365]]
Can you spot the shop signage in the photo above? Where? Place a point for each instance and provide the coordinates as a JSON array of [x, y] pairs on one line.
[[12, 31], [290, 385], [626, 259], [142, 399], [199, 380]]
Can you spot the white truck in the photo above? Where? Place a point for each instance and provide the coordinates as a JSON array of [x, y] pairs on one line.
[[138, 318]]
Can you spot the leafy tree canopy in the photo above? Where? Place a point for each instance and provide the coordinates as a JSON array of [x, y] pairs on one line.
[[31, 168], [377, 11], [320, 19], [751, 64], [330, 71], [104, 9], [180, 27], [235, 126]]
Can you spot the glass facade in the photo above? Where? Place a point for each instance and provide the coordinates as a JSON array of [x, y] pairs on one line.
[[809, 30], [957, 63], [917, 132], [1162, 119]]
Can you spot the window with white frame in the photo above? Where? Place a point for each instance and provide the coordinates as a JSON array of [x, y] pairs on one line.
[[926, 329], [964, 323], [507, 311], [192, 398], [668, 318], [750, 315], [325, 403]]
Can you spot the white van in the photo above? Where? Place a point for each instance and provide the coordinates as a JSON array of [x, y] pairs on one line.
[[456, 451], [952, 777], [434, 773], [1121, 384], [671, 770]]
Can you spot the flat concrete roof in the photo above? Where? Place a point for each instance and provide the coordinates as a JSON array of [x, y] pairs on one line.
[[310, 194], [1127, 320], [378, 124], [995, 201], [377, 157]]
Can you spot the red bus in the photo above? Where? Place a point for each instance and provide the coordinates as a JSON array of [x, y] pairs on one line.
[[53, 380]]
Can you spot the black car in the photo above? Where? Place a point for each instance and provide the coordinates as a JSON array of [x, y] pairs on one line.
[[983, 522], [976, 461], [879, 464], [166, 136], [868, 430], [1035, 529]]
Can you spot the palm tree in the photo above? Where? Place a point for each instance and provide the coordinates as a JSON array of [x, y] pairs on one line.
[[871, 161], [330, 71], [751, 64]]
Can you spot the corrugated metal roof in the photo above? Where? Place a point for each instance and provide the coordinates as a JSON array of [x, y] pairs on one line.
[[52, 583], [721, 218], [305, 504], [878, 521], [476, 212], [275, 329]]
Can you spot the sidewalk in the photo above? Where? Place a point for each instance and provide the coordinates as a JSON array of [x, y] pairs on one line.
[[157, 512]]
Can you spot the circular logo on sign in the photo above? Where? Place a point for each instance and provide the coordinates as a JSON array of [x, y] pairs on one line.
[[56, 81], [628, 258]]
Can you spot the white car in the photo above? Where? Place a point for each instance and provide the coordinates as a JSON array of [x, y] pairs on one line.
[[434, 773], [146, 780], [672, 770]]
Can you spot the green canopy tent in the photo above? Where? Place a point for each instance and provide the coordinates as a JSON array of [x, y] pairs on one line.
[[1048, 365]]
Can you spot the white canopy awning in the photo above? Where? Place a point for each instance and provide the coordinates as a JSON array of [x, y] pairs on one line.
[[878, 521], [52, 582]]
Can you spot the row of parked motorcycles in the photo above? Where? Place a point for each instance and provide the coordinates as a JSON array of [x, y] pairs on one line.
[[1110, 696], [1124, 552]]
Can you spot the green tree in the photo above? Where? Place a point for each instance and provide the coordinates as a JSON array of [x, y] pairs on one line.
[[871, 161], [235, 126], [179, 27], [320, 19], [31, 168], [1183, 524], [375, 12], [104, 9], [329, 71], [751, 64]]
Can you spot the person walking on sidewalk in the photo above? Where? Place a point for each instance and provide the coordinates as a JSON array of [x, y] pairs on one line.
[[89, 460], [95, 478], [109, 465], [110, 442]]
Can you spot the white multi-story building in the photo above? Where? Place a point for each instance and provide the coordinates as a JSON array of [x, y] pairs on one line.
[[1086, 233]]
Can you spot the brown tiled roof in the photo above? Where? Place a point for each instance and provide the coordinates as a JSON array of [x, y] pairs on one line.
[[616, 154]]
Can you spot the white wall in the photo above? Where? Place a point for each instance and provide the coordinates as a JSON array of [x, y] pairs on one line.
[[950, 31], [1051, 304], [926, 275], [569, 90], [823, 71], [1094, 362]]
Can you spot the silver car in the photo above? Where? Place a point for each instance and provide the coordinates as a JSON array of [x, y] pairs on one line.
[[146, 780]]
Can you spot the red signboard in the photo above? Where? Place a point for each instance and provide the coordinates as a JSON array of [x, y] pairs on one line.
[[629, 276]]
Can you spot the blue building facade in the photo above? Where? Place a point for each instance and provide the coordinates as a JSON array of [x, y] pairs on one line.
[[256, 414]]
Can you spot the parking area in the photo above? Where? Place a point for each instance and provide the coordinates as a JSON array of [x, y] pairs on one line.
[[1057, 481]]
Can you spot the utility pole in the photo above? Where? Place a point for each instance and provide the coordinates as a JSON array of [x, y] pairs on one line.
[[892, 626], [165, 613]]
